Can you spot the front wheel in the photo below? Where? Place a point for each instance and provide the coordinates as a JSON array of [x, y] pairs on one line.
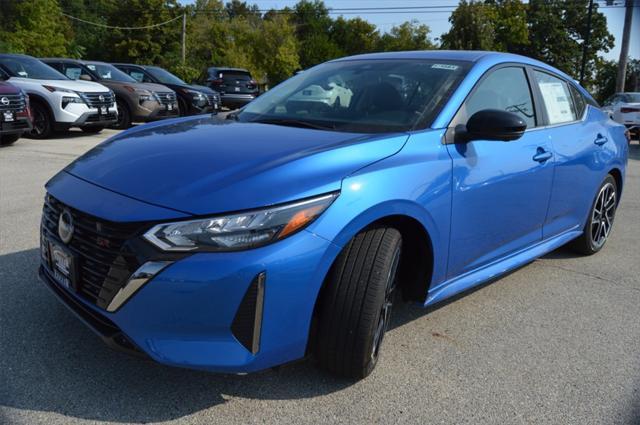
[[124, 116], [42, 122], [600, 222], [355, 308]]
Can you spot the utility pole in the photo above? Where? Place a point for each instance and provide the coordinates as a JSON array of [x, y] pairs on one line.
[[184, 37], [624, 48], [585, 43]]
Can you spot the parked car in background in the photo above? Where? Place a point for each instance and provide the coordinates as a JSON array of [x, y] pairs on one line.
[[57, 102], [15, 116], [235, 85], [625, 109], [137, 102], [333, 94], [243, 244], [192, 99]]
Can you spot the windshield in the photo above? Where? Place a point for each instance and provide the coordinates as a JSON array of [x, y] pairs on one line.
[[25, 67], [164, 76], [633, 97], [104, 71], [369, 96]]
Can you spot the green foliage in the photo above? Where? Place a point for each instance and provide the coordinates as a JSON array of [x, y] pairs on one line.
[[28, 27], [408, 36], [606, 74], [473, 27]]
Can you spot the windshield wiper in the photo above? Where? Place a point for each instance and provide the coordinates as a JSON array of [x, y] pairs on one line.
[[294, 123]]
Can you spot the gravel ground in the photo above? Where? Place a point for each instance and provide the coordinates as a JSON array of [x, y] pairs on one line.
[[556, 342]]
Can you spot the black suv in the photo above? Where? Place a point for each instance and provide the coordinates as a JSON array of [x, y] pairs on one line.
[[192, 99], [235, 85]]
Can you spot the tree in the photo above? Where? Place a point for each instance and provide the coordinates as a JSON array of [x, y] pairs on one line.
[[276, 49], [606, 74], [313, 25], [556, 31], [354, 36], [473, 27], [34, 27], [407, 36]]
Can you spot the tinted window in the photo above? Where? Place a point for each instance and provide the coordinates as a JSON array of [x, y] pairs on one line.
[[164, 76], [137, 75], [506, 89], [579, 101], [26, 67], [634, 97], [369, 96], [104, 71], [232, 76], [74, 71], [557, 98]]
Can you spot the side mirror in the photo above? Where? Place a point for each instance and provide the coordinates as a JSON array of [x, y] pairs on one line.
[[494, 124], [85, 77]]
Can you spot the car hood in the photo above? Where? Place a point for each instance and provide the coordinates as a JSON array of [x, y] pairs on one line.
[[6, 88], [204, 165], [191, 87], [75, 85], [141, 86]]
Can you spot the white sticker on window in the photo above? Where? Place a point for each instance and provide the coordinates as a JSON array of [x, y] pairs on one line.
[[91, 67], [557, 102], [444, 66]]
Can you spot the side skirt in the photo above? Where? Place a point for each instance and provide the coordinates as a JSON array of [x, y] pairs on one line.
[[466, 281]]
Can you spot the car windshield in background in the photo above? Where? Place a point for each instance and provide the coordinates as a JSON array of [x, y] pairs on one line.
[[105, 71], [368, 96], [164, 76], [232, 76], [30, 68], [633, 97]]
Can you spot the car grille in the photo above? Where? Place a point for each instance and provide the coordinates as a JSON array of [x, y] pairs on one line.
[[166, 98], [13, 102], [96, 100], [100, 118], [105, 261]]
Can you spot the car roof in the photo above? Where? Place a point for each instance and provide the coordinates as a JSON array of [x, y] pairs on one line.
[[480, 57], [15, 55], [82, 61]]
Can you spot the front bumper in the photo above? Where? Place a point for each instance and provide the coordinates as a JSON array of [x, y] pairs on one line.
[[187, 315], [153, 111], [20, 125]]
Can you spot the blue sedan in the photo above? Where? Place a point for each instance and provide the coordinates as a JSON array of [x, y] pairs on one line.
[[289, 228]]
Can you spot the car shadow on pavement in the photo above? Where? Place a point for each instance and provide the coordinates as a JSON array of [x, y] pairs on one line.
[[50, 362]]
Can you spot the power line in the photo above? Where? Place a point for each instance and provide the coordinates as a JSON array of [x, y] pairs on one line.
[[121, 28]]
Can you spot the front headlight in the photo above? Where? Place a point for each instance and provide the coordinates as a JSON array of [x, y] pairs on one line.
[[239, 231], [197, 98], [68, 99], [144, 95]]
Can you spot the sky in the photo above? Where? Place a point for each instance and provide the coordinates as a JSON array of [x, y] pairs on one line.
[[438, 21]]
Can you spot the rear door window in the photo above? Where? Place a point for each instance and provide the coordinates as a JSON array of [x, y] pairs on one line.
[[578, 100], [557, 98]]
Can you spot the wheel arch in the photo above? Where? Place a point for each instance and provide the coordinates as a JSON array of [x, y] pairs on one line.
[[416, 263], [37, 98], [617, 176]]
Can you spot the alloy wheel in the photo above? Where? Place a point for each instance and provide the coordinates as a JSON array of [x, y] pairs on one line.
[[385, 311], [603, 214], [39, 122]]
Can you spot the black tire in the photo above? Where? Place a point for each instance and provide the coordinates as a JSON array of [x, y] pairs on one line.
[[182, 108], [355, 308], [600, 221], [92, 129], [42, 122], [124, 116], [9, 139]]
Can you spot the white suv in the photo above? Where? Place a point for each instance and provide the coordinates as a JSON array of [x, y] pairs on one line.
[[57, 102]]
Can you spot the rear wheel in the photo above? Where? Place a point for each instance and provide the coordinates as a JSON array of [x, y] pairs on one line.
[[42, 121], [600, 222], [356, 306], [9, 139]]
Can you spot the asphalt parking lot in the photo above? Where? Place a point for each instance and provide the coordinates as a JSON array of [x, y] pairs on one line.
[[556, 342]]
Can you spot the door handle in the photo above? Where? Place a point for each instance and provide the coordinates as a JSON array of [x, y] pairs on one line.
[[542, 155], [600, 140]]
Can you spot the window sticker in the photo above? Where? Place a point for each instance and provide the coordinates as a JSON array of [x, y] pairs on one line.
[[444, 66], [557, 102]]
